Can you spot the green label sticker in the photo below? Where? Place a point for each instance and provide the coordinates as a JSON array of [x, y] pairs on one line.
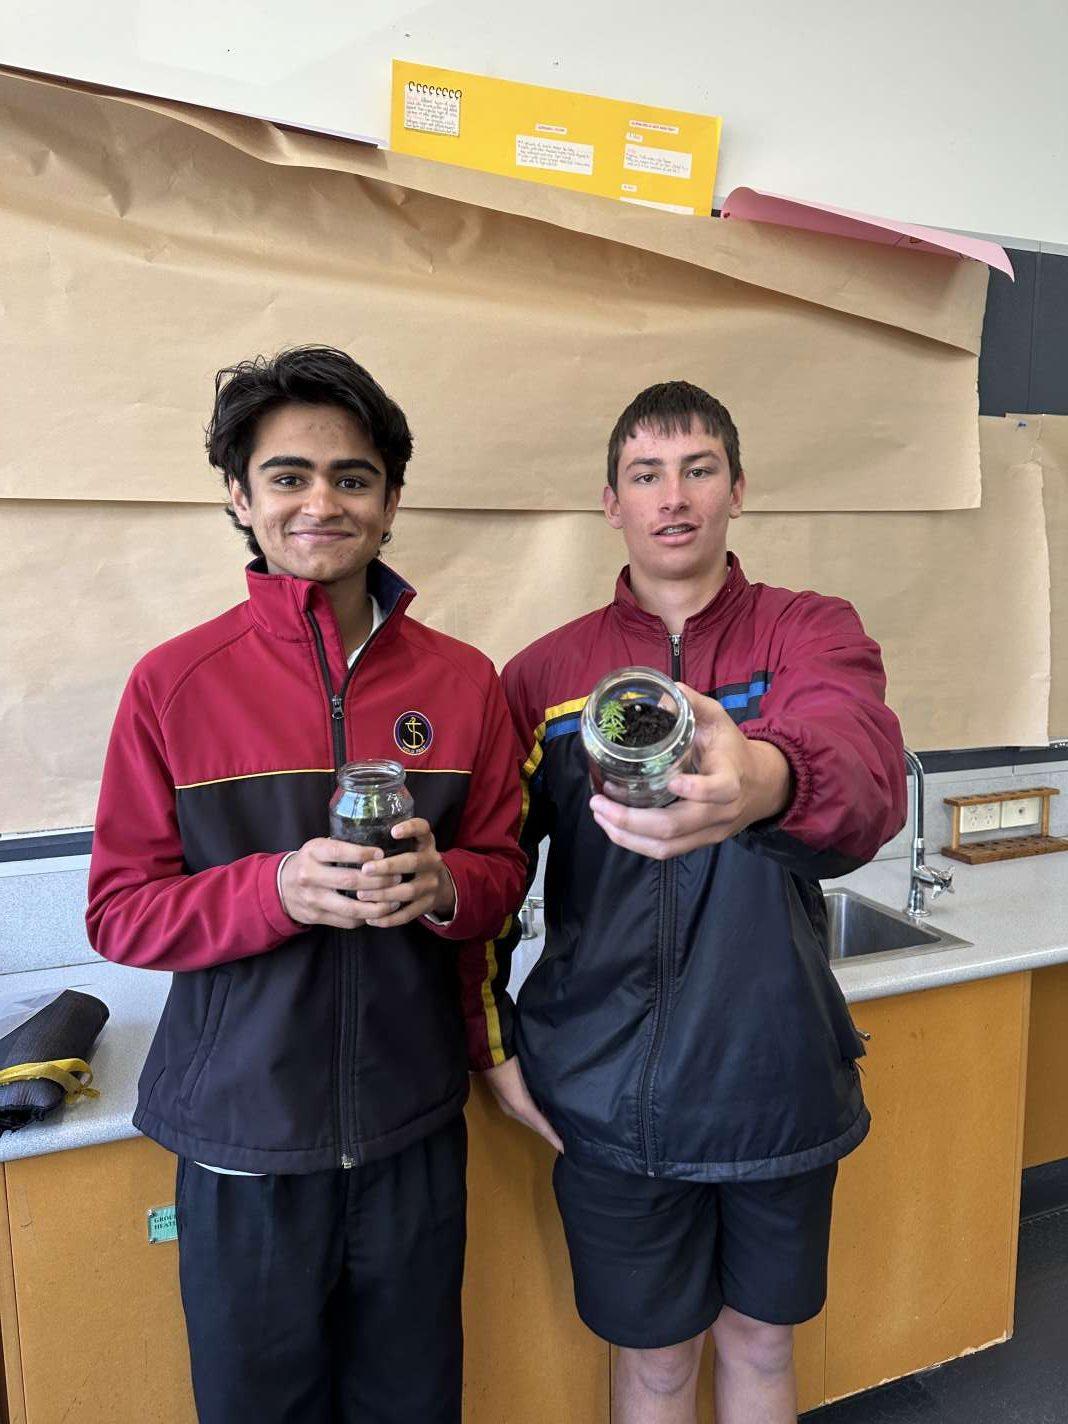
[[162, 1224]]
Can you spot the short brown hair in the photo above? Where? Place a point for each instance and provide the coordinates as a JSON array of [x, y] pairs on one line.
[[669, 409]]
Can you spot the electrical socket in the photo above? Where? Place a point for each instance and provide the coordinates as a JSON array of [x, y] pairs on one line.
[[984, 817], [1021, 813]]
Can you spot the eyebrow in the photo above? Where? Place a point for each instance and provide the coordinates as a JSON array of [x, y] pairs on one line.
[[686, 459], [299, 462]]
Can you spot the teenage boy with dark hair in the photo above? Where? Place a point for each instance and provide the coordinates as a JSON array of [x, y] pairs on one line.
[[310, 1068], [683, 1033]]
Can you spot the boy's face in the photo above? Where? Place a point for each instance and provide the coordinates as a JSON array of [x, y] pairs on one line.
[[318, 504], [673, 501]]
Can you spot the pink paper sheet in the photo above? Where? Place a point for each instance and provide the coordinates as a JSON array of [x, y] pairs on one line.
[[754, 206]]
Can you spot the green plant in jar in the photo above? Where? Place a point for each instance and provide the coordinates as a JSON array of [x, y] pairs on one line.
[[611, 721]]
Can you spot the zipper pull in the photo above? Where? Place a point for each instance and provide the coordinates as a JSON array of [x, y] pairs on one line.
[[347, 1162], [337, 709], [676, 654]]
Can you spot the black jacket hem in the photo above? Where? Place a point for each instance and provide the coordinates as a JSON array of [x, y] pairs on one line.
[[760, 1169], [296, 1161]]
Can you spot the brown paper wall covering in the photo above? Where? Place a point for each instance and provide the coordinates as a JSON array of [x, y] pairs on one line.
[[146, 244], [1047, 437], [94, 585]]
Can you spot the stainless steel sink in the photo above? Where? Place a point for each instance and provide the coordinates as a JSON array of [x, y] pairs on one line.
[[861, 927]]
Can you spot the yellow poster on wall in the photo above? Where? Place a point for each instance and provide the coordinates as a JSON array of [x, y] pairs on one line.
[[657, 158]]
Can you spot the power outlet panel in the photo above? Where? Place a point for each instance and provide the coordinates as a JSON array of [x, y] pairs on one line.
[[1024, 812], [984, 817]]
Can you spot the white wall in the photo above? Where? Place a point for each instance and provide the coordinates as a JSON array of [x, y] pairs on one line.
[[948, 112]]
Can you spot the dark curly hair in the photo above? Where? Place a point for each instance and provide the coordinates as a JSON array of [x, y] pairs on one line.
[[303, 375], [669, 409]]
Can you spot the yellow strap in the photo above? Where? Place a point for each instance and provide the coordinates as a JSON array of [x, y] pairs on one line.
[[61, 1071]]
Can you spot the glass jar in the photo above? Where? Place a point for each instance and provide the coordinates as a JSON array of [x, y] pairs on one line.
[[636, 775], [371, 798]]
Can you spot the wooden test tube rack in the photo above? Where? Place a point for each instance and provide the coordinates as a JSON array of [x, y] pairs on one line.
[[1003, 847]]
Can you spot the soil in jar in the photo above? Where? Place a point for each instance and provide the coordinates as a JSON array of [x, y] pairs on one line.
[[635, 724], [371, 833], [368, 833]]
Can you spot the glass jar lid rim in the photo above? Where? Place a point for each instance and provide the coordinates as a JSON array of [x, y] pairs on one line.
[[682, 722], [374, 771]]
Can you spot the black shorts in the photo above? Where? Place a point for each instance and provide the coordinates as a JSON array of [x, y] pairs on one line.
[[331, 1296], [655, 1260]]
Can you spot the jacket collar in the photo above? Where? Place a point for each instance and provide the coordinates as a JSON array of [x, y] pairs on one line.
[[724, 605], [280, 604]]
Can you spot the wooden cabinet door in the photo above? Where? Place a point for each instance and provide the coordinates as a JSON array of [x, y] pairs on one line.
[[101, 1334], [926, 1212], [1046, 1121]]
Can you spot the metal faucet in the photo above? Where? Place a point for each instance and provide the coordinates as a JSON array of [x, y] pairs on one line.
[[920, 873], [529, 917]]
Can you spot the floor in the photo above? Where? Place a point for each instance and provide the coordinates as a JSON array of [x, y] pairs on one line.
[[1024, 1381]]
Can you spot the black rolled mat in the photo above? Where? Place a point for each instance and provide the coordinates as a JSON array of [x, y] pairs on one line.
[[64, 1029]]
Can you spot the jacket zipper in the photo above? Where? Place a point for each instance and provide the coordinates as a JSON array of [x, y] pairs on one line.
[[343, 960], [337, 699], [665, 955], [346, 978]]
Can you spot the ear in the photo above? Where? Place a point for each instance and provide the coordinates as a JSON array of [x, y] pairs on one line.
[[734, 509], [240, 501], [612, 511]]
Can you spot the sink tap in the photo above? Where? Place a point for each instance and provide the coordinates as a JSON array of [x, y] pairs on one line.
[[920, 873], [530, 925]]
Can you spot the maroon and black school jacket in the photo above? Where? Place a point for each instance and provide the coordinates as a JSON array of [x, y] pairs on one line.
[[285, 1047], [683, 1020]]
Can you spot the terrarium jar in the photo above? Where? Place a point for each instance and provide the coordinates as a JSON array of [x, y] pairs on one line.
[[637, 704], [371, 798]]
